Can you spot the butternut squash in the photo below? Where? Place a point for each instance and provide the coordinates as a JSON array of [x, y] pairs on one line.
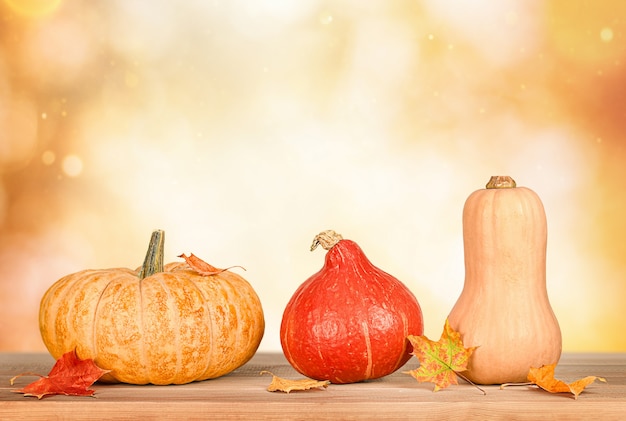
[[503, 307]]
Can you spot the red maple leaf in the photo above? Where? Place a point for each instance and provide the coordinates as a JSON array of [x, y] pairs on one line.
[[69, 376]]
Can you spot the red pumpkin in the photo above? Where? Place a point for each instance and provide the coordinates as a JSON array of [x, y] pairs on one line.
[[349, 321]]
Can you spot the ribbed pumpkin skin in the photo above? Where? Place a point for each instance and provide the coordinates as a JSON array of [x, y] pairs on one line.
[[504, 307], [349, 321], [173, 327]]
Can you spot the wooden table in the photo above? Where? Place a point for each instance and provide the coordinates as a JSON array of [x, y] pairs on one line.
[[243, 395]]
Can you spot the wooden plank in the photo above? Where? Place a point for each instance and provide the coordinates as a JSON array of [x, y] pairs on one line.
[[243, 395]]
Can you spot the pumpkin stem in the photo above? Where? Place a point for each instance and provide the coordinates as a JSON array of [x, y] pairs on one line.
[[327, 239], [501, 182], [153, 263]]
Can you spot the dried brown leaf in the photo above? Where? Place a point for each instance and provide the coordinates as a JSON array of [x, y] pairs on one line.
[[202, 267], [279, 384]]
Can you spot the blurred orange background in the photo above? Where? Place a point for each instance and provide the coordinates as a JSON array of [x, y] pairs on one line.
[[244, 128]]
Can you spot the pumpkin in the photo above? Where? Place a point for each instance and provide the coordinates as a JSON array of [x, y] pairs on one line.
[[161, 324], [349, 322], [504, 308]]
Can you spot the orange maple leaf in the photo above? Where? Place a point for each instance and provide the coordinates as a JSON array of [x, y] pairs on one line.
[[69, 376], [441, 361], [544, 378]]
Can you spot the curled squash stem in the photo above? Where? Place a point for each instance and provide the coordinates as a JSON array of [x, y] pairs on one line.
[[153, 263], [327, 239]]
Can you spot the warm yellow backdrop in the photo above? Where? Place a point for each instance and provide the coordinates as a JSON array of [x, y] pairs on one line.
[[243, 128]]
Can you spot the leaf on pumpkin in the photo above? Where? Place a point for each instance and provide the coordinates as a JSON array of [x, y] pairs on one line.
[[279, 384], [544, 378], [441, 361], [202, 267], [69, 376]]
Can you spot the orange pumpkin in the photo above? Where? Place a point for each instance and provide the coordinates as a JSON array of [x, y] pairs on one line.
[[160, 324], [504, 307]]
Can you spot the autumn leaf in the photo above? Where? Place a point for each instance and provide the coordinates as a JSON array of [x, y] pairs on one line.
[[279, 384], [69, 376], [441, 361], [202, 267], [544, 378]]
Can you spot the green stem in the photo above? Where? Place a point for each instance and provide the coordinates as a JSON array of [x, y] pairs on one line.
[[153, 263], [501, 182]]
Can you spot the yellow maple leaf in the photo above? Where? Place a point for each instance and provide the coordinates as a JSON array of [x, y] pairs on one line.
[[279, 384], [544, 378], [441, 361]]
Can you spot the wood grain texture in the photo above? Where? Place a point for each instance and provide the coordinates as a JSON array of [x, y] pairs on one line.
[[243, 395]]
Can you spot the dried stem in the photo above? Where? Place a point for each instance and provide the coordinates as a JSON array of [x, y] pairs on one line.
[[501, 182], [327, 239], [470, 382], [503, 385]]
